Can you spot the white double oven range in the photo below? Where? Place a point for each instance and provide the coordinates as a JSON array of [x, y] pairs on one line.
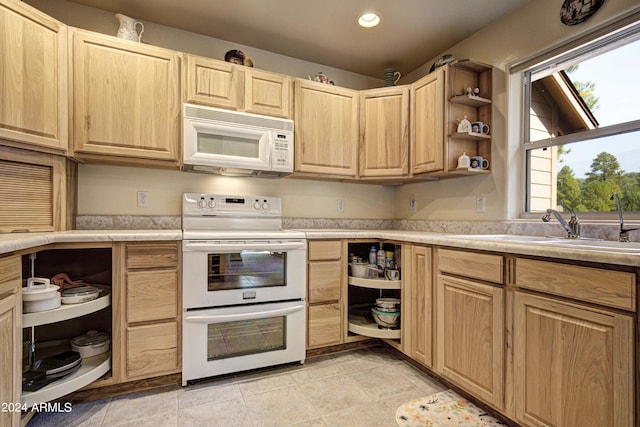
[[244, 286]]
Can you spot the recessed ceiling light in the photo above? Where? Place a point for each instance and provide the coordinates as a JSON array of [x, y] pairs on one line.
[[369, 19]]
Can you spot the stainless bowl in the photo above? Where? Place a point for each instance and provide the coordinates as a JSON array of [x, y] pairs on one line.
[[388, 302]]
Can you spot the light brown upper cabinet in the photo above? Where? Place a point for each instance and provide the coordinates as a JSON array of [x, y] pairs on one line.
[[33, 78], [384, 132], [326, 130], [427, 118], [235, 87], [462, 75], [126, 103], [439, 102]]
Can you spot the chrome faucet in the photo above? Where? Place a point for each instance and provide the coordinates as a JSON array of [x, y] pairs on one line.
[[624, 232], [572, 227]]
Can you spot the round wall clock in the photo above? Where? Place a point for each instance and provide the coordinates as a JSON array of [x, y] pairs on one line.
[[577, 11]]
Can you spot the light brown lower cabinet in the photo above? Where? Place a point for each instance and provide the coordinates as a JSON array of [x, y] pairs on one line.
[[417, 311], [470, 337], [325, 325], [10, 339], [573, 364], [149, 306], [325, 277]]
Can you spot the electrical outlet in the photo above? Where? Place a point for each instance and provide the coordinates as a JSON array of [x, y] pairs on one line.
[[143, 199], [480, 204], [412, 205], [340, 205]]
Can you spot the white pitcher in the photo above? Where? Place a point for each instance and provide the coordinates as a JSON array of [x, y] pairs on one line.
[[128, 28]]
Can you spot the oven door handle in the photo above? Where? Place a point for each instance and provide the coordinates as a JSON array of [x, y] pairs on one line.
[[221, 318], [221, 247]]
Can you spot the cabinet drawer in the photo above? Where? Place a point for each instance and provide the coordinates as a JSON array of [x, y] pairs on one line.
[[152, 255], [471, 264], [325, 250], [599, 286], [324, 325], [324, 281], [10, 275], [152, 350], [152, 295]]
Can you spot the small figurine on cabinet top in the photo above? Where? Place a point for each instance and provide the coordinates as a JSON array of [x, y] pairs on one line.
[[238, 57]]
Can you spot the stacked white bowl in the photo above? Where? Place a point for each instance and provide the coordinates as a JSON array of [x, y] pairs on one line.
[[386, 312]]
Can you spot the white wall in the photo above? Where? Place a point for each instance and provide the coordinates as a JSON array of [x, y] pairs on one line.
[[532, 29], [112, 190]]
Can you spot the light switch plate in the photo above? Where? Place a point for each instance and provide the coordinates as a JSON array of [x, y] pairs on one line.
[[143, 199]]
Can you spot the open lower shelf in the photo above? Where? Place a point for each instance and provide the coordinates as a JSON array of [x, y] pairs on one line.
[[91, 369], [375, 283], [68, 311], [362, 324]]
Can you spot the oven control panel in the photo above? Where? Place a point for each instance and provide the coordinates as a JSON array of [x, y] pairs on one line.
[[197, 204]]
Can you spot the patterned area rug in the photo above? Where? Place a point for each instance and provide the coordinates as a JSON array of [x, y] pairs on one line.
[[443, 409]]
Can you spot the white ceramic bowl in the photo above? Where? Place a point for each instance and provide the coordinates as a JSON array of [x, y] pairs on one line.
[[388, 302], [363, 270], [384, 319]]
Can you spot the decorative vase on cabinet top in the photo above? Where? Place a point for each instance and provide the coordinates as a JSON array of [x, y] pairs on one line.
[[128, 28]]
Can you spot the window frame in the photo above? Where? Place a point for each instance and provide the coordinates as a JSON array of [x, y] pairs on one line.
[[600, 41]]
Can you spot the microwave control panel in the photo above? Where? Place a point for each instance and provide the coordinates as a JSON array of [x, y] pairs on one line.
[[282, 153]]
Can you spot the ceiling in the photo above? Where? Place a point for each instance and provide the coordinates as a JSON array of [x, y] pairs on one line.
[[410, 34]]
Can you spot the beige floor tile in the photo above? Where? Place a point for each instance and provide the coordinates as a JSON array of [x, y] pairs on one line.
[[311, 423], [367, 415], [206, 393], [383, 381], [82, 414], [161, 420], [142, 405], [318, 370], [220, 414], [334, 394], [280, 407], [260, 385]]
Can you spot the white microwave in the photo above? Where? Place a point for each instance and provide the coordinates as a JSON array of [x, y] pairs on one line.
[[236, 144]]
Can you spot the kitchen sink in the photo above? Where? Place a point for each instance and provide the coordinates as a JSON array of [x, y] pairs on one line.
[[586, 243], [594, 245], [501, 237]]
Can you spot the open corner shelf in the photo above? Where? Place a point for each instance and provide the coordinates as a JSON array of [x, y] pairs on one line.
[[375, 283], [92, 368], [470, 100], [361, 324], [68, 311], [471, 136]]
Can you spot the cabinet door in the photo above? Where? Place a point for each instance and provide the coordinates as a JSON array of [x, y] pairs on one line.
[[325, 325], [268, 93], [152, 350], [384, 132], [214, 83], [152, 295], [470, 337], [10, 351], [33, 77], [326, 129], [573, 364], [325, 281], [125, 100], [419, 306], [427, 123]]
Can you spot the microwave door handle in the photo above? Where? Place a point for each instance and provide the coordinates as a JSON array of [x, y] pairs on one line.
[[221, 318], [222, 247]]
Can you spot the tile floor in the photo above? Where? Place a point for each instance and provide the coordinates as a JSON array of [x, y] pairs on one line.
[[356, 388]]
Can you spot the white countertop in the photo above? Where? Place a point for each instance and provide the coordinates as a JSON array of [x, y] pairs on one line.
[[615, 254]]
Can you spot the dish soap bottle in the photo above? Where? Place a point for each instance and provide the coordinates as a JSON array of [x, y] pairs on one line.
[[372, 255], [380, 258]]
